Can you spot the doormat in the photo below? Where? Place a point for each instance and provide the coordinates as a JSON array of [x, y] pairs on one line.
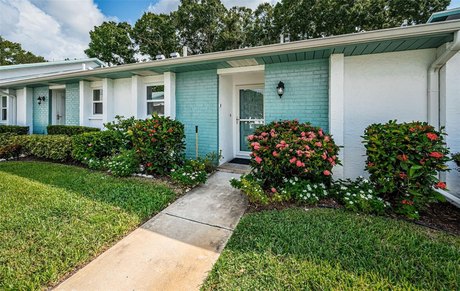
[[240, 161]]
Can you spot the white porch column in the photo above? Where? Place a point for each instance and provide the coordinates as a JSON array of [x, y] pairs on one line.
[[170, 94], [108, 100], [137, 97], [336, 105], [24, 105]]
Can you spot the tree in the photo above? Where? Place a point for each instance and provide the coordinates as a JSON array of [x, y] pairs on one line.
[[237, 25], [11, 53], [303, 19], [263, 30], [199, 24], [155, 34], [111, 42]]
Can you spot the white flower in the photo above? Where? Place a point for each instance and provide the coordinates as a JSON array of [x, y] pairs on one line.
[[343, 188], [351, 202]]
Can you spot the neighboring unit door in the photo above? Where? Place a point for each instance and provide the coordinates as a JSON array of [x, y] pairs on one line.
[[58, 107], [250, 106]]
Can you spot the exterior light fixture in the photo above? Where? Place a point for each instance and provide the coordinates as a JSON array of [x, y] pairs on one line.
[[41, 99], [280, 89]]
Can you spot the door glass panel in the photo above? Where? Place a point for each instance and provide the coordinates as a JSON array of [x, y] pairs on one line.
[[251, 114]]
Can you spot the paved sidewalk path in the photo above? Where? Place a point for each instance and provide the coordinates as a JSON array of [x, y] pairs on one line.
[[174, 250]]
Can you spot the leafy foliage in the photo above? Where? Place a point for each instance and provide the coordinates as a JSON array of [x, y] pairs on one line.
[[191, 174], [287, 149], [456, 158], [12, 53], [124, 164], [92, 148], [155, 34], [303, 191], [16, 129], [252, 188], [50, 147], [120, 127], [10, 151], [111, 42], [69, 129], [403, 160], [159, 143]]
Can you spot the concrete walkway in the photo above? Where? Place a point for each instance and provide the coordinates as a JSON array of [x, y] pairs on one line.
[[175, 250]]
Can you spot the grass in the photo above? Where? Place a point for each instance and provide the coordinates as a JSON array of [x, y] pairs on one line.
[[326, 249], [55, 218]]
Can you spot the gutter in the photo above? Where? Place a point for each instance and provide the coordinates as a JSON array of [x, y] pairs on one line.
[[291, 47], [433, 96], [434, 99]]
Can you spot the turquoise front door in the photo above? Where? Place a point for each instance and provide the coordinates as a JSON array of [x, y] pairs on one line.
[[250, 115]]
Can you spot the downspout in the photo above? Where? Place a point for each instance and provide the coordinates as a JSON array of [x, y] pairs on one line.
[[434, 98]]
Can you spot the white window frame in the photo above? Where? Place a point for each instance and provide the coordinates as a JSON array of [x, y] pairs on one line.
[[101, 101], [4, 108], [155, 100]]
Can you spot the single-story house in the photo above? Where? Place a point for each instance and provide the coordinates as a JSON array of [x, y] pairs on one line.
[[340, 83]]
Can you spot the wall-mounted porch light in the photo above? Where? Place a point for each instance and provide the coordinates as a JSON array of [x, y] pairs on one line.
[[41, 99], [280, 89]]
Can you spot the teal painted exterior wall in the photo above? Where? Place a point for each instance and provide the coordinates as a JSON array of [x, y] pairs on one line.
[[41, 113], [72, 104], [197, 104], [306, 94]]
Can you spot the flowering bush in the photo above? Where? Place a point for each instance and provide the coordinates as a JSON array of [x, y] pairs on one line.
[[92, 148], [304, 191], [191, 174], [159, 143], [403, 160], [289, 149], [124, 164], [359, 195]]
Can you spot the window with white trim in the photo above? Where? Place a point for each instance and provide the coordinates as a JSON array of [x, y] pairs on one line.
[[4, 108], [97, 102], [155, 99]]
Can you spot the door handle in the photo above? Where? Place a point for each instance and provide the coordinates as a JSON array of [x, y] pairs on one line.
[[58, 116]]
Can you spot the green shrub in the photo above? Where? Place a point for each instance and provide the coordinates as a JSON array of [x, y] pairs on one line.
[[122, 126], [16, 129], [69, 129], [91, 148], [51, 147], [6, 138], [287, 149], [252, 188], [403, 160], [359, 195], [191, 174], [159, 143], [124, 164], [303, 191], [456, 158], [210, 161]]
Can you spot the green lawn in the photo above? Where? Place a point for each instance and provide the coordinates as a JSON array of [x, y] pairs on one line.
[[324, 249], [55, 218]]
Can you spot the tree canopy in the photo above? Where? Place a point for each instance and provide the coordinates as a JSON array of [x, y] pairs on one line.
[[12, 53], [207, 25]]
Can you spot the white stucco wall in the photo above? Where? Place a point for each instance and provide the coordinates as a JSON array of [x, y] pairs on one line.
[[122, 96], [378, 88], [452, 110]]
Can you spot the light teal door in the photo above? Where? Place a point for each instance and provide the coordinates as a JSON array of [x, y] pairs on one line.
[[251, 115]]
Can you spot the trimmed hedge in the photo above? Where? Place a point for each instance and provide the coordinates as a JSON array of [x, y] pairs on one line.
[[50, 147], [16, 129], [69, 130]]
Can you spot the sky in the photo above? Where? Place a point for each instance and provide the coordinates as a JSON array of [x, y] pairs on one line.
[[59, 29]]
